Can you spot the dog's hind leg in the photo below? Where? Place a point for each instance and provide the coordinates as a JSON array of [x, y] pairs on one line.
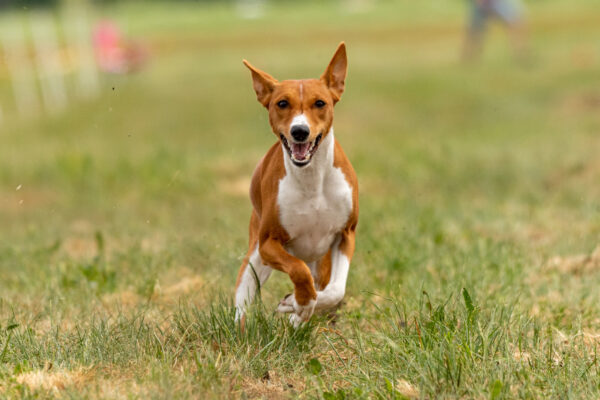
[[341, 253]]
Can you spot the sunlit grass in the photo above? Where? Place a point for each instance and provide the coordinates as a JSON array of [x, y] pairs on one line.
[[124, 220]]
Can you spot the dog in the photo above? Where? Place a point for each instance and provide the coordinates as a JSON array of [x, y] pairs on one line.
[[304, 194]]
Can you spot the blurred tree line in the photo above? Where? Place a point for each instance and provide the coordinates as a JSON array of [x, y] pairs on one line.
[[25, 4]]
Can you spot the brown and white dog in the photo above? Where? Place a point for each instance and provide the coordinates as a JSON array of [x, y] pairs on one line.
[[304, 195]]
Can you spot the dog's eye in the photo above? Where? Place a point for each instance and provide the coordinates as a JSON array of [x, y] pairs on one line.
[[282, 103], [319, 104]]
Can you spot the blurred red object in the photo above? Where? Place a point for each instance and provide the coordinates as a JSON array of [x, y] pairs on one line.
[[115, 54]]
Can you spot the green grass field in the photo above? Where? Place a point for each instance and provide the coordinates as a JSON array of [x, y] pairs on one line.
[[123, 221]]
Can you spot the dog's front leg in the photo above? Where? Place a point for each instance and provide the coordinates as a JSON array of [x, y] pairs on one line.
[[341, 255], [305, 295]]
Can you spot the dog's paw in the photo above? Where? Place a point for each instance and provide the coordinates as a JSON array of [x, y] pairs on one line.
[[286, 305], [240, 318], [304, 312], [300, 313], [295, 320], [239, 314]]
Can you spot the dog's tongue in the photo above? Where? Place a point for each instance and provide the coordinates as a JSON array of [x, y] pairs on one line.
[[300, 150]]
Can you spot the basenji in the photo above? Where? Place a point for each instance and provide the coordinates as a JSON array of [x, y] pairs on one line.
[[304, 194]]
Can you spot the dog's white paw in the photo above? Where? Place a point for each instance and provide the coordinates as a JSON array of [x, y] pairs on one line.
[[286, 305], [295, 320], [306, 311], [300, 313], [239, 314]]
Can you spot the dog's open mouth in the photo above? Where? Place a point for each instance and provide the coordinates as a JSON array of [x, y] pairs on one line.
[[301, 153]]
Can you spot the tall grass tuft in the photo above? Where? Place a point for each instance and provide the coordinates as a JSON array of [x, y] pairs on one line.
[[267, 335]]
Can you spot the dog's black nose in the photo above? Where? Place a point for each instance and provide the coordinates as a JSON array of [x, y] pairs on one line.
[[300, 132]]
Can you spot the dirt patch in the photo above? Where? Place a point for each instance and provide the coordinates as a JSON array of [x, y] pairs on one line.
[[578, 265], [126, 299], [53, 380], [407, 389], [46, 325], [24, 199], [583, 174], [232, 166], [109, 389], [115, 383], [591, 340], [81, 244], [238, 187], [581, 103], [184, 286], [80, 248], [153, 244], [521, 356], [272, 386], [578, 344]]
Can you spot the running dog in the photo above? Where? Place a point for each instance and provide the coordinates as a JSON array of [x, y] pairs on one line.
[[304, 194]]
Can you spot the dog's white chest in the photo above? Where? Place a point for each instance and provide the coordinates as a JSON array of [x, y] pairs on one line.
[[313, 210]]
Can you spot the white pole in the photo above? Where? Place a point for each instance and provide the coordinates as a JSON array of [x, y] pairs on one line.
[[49, 64], [79, 36], [20, 68]]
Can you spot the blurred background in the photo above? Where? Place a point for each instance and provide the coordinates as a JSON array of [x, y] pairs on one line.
[[131, 129]]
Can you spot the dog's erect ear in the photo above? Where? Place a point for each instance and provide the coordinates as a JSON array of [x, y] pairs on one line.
[[335, 74], [263, 84]]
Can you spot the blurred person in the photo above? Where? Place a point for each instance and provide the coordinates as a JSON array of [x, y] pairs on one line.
[[508, 12], [115, 54]]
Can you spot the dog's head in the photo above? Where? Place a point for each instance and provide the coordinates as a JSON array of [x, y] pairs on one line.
[[301, 111]]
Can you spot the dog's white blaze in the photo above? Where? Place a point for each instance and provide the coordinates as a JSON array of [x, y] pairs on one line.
[[299, 120], [314, 203], [336, 288], [247, 288]]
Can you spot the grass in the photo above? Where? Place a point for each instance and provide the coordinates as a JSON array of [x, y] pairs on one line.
[[123, 221]]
